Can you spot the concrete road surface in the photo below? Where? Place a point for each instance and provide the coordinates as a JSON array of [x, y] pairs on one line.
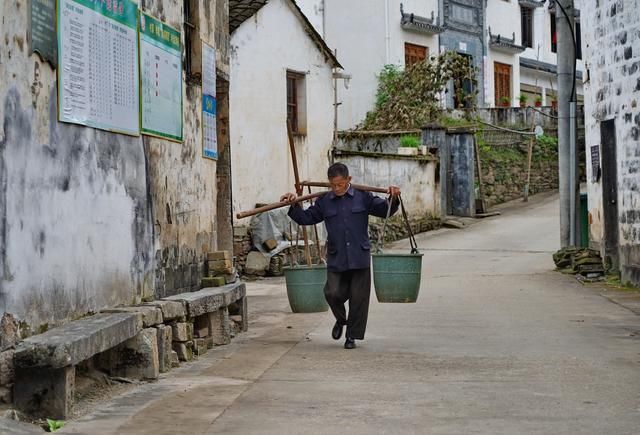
[[498, 343]]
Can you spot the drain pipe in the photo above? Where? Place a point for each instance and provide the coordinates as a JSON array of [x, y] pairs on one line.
[[387, 41]]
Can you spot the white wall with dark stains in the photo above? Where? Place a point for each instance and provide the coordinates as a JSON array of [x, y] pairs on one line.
[[612, 55], [75, 221], [91, 219], [263, 48]]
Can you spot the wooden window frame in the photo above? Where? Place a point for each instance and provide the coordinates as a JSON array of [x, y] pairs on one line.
[[296, 102], [526, 26], [414, 53]]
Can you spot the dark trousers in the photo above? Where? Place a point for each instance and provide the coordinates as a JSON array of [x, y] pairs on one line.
[[353, 286]]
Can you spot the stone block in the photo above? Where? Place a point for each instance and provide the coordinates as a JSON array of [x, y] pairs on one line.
[[77, 341], [183, 351], [218, 255], [240, 231], [136, 358], [182, 331], [212, 281], [9, 331], [45, 393], [150, 315], [219, 265], [209, 342], [175, 362], [6, 367], [199, 346], [165, 338], [270, 244], [219, 326], [231, 277], [256, 264], [171, 310], [6, 395]]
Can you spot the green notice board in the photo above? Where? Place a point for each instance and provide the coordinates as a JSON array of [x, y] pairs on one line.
[[42, 30], [161, 79]]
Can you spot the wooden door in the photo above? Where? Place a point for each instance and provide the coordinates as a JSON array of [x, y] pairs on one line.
[[610, 189], [502, 82]]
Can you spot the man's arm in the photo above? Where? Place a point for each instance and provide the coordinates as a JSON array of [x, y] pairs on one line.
[[379, 207], [310, 216]]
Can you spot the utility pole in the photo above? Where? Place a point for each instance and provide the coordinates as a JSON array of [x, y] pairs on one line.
[[567, 161]]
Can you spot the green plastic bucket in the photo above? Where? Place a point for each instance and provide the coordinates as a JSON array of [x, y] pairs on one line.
[[396, 277], [305, 288]]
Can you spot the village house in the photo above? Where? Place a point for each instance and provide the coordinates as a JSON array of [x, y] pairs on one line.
[[612, 124], [510, 42], [281, 69]]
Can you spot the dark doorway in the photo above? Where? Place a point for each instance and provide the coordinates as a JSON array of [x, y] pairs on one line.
[[610, 189]]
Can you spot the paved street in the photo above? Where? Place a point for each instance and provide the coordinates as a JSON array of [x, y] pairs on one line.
[[498, 343]]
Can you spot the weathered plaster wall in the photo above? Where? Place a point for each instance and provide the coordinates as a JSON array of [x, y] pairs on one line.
[[75, 221], [612, 53], [264, 47], [415, 177], [91, 219], [182, 182]]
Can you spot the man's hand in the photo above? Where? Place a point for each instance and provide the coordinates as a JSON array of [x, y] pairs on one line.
[[288, 197], [394, 191]]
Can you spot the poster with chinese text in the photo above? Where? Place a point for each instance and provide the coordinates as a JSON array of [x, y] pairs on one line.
[[98, 64], [161, 74]]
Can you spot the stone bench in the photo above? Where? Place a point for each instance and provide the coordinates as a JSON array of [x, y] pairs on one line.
[[131, 342], [209, 309], [45, 363]]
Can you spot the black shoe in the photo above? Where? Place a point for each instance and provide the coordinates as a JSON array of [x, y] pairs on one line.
[[336, 332], [350, 343]]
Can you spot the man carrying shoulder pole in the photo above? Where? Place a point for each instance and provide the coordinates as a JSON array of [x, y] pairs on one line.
[[345, 211]]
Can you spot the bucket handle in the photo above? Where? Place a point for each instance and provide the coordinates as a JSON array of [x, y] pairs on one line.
[[405, 218]]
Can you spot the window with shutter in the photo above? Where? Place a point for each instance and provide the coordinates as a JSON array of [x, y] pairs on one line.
[[414, 53]]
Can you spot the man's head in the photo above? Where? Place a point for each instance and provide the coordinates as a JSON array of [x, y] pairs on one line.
[[339, 178]]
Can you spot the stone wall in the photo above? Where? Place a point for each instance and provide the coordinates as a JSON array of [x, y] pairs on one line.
[[503, 158], [612, 53]]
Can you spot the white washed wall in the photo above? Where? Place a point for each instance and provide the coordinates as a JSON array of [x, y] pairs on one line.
[[263, 48]]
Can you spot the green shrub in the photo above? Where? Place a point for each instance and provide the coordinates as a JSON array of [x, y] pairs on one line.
[[410, 141]]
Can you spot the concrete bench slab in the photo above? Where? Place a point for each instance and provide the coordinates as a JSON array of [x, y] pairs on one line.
[[151, 315], [77, 341], [210, 299]]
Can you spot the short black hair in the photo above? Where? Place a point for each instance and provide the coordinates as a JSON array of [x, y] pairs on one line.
[[338, 170]]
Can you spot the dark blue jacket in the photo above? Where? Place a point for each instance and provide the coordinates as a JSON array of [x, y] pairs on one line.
[[347, 220]]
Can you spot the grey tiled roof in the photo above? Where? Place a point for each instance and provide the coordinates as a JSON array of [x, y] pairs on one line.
[[242, 10]]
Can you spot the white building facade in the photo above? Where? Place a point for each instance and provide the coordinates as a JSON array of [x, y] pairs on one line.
[[280, 69], [510, 42]]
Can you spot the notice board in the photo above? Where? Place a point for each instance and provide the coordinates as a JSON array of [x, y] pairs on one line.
[[98, 64], [209, 134], [161, 84], [42, 30]]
